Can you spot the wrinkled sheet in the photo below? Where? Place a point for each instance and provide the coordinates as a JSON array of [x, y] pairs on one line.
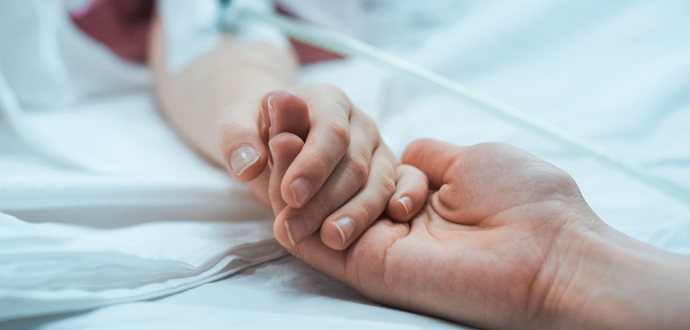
[[616, 73], [48, 268], [140, 217]]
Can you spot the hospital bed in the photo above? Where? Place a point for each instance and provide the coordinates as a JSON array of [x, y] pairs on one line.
[[134, 230]]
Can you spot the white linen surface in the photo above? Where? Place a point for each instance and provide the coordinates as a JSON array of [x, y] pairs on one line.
[[48, 268], [285, 294], [143, 218], [614, 72]]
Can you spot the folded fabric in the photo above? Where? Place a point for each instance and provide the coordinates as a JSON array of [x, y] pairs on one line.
[[50, 267], [117, 229]]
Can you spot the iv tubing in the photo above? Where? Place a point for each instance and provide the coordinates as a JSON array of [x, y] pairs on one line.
[[347, 46]]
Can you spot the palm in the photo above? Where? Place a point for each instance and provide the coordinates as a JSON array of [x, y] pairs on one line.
[[477, 250]]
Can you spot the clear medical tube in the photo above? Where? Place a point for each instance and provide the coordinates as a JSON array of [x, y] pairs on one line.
[[347, 46]]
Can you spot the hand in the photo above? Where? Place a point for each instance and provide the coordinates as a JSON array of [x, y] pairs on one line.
[[340, 175], [490, 249]]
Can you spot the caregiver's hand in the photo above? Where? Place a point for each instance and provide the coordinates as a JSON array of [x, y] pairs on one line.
[[340, 180], [508, 241]]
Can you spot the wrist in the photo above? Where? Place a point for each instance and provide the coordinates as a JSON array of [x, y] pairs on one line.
[[607, 280]]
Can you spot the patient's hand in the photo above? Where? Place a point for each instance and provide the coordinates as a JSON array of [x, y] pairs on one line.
[[332, 170], [489, 249]]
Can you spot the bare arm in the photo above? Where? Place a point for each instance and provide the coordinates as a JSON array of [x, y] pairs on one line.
[[218, 88], [342, 177]]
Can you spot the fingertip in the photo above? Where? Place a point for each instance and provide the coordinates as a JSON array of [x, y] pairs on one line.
[[245, 162], [264, 100], [402, 208], [338, 233], [241, 147], [286, 112], [291, 228], [410, 196], [297, 189], [407, 203], [286, 146], [300, 192]]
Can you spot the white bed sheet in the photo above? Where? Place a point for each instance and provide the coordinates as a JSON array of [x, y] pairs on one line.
[[284, 294], [617, 73], [139, 217]]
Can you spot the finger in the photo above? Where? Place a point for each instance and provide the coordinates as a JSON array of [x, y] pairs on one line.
[[240, 142], [433, 158], [411, 189], [347, 223], [344, 182], [361, 265], [326, 144], [286, 112], [284, 147], [298, 223]]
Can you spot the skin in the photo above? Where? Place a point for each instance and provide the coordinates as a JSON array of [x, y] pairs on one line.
[[506, 241], [288, 135], [222, 104]]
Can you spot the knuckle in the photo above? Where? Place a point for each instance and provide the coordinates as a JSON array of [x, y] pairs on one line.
[[319, 165], [370, 127], [404, 170], [388, 185], [333, 90], [335, 94], [363, 212], [491, 147], [341, 132], [359, 167]]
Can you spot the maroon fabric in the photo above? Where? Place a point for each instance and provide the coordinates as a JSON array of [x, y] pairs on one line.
[[305, 52], [121, 25]]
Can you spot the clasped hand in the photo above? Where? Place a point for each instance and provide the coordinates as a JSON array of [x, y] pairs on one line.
[[330, 171], [484, 249]]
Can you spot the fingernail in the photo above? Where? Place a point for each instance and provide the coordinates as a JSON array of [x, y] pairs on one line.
[[242, 158], [346, 226], [300, 191], [297, 228], [406, 203], [271, 111]]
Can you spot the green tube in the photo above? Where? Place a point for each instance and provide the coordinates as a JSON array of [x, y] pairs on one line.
[[347, 46]]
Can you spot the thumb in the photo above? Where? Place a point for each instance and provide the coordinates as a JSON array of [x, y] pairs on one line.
[[287, 112], [240, 143], [432, 157]]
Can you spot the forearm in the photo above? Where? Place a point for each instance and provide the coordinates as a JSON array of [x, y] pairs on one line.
[[232, 76], [616, 282]]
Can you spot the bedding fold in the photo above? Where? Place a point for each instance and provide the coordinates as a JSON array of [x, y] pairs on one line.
[[51, 267]]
